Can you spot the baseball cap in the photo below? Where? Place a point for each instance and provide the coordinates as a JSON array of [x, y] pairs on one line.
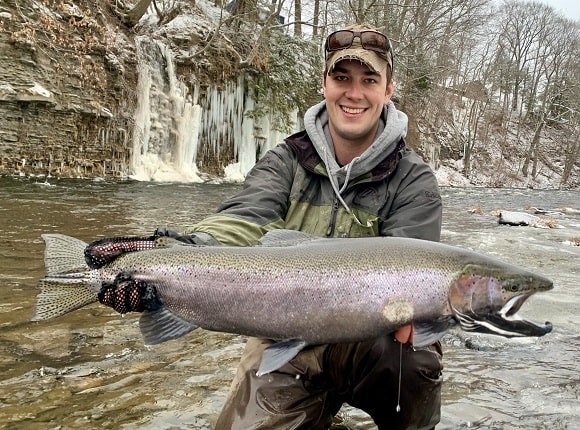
[[359, 42]]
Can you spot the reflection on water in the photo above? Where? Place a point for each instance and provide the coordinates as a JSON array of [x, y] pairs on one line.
[[90, 368]]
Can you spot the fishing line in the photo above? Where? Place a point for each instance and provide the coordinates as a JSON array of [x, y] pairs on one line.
[[398, 408]]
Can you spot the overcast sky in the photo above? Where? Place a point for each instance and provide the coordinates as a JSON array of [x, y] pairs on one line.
[[569, 8]]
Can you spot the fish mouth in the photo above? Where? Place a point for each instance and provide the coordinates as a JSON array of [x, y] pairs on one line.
[[505, 322]]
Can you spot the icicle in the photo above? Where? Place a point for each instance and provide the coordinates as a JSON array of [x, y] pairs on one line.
[[165, 141], [171, 124]]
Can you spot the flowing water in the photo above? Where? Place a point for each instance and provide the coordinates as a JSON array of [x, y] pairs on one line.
[[90, 369]]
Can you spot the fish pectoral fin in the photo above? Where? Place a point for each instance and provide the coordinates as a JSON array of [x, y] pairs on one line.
[[161, 325], [429, 332], [278, 354]]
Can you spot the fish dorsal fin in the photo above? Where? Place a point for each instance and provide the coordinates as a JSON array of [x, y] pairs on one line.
[[161, 325], [282, 237], [63, 254], [278, 354], [428, 332]]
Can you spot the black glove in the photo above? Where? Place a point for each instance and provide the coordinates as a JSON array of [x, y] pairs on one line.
[[200, 238]]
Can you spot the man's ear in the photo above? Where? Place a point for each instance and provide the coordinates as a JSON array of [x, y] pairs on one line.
[[389, 91]]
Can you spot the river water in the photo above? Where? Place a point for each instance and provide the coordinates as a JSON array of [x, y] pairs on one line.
[[90, 369]]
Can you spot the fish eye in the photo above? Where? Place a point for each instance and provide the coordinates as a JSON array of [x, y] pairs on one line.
[[514, 288]]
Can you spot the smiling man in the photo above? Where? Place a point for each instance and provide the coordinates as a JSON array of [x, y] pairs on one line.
[[356, 93], [348, 174]]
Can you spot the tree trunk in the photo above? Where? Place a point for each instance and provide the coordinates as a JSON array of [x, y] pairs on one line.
[[531, 154], [132, 17], [572, 155], [297, 18], [316, 21]]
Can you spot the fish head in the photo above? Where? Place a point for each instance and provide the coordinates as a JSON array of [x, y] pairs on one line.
[[486, 299]]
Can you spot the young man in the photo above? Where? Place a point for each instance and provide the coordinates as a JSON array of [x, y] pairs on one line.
[[348, 174]]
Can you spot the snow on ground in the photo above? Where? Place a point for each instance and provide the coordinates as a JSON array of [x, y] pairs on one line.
[[447, 177]]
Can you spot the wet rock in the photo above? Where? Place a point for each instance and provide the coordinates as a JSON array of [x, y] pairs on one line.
[[525, 219]]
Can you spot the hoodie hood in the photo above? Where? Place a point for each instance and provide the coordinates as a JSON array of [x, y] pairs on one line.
[[392, 128]]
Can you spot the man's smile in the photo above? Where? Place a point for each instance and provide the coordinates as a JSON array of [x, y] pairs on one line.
[[352, 110]]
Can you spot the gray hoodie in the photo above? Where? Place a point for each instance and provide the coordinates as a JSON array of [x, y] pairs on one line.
[[392, 127]]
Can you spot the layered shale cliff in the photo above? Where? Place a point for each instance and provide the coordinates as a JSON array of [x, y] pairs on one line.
[[66, 90]]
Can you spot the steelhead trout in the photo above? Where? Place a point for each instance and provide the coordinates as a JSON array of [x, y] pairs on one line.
[[295, 288]]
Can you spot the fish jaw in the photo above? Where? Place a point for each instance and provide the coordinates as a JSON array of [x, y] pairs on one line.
[[506, 322], [488, 302]]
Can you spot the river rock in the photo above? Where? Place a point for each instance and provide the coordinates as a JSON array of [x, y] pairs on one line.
[[524, 219]]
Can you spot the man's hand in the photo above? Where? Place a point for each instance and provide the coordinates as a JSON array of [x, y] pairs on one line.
[[404, 334], [200, 238]]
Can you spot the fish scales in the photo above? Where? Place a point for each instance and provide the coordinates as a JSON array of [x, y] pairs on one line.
[[293, 292], [310, 292]]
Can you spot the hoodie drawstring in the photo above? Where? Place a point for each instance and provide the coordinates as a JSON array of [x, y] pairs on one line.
[[338, 192]]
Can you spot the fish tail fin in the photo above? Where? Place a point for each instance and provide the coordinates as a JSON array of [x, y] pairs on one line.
[[59, 296], [64, 254]]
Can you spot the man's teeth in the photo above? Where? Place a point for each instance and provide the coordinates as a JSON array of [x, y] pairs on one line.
[[352, 110]]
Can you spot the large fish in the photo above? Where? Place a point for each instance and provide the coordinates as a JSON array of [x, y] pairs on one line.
[[294, 288]]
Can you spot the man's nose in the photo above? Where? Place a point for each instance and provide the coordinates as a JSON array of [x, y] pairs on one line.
[[354, 91]]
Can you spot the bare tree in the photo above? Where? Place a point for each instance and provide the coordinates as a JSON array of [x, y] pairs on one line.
[[549, 66], [522, 26]]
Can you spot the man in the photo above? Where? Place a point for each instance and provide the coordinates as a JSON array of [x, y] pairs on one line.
[[348, 174]]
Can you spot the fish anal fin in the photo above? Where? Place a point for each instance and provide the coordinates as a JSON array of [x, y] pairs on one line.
[[278, 354], [428, 332], [161, 325]]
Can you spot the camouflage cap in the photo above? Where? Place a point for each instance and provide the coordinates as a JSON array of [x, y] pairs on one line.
[[372, 59]]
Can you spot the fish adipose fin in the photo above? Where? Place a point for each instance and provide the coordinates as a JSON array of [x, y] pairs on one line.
[[161, 325], [426, 333], [278, 354]]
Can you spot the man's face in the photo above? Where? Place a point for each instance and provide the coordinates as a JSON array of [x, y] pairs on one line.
[[355, 97]]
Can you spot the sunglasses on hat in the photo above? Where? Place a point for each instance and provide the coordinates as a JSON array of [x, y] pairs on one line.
[[369, 40]]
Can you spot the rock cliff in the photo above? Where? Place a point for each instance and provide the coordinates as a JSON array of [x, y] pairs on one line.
[[66, 89], [68, 82]]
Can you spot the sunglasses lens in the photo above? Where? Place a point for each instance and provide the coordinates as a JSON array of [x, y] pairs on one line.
[[374, 42], [369, 40], [340, 40]]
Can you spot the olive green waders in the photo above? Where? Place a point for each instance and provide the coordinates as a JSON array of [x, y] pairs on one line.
[[308, 391]]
